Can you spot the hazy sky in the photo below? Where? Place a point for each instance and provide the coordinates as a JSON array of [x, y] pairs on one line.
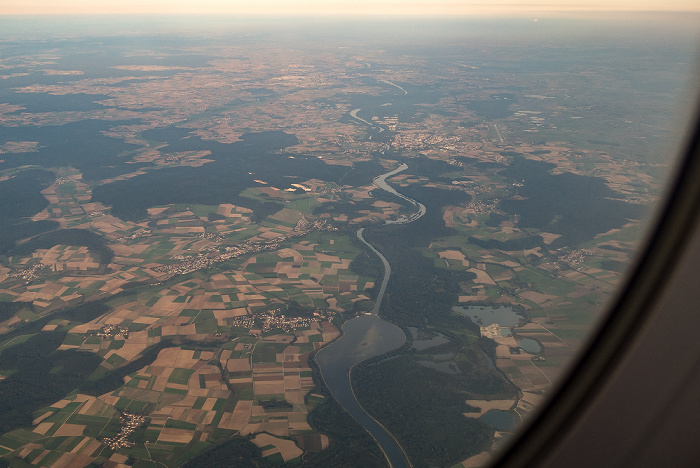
[[305, 7]]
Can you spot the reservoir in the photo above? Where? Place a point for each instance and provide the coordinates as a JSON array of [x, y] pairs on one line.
[[363, 337]]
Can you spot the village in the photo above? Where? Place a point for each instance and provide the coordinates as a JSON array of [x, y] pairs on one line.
[[28, 274], [113, 331], [130, 422], [202, 261], [271, 320], [136, 235]]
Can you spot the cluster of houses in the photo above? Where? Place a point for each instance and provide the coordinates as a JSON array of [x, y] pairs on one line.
[[483, 207], [136, 235], [65, 180], [212, 236], [575, 257], [113, 331], [28, 274], [245, 321], [130, 422], [272, 320], [201, 261]]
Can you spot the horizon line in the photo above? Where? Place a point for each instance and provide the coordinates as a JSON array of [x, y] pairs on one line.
[[356, 14], [438, 9]]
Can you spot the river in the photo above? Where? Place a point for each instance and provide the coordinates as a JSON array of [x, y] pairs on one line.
[[365, 337]]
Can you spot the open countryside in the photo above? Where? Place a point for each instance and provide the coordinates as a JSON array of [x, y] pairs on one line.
[[200, 224]]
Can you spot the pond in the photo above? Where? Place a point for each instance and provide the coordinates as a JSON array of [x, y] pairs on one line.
[[529, 345]]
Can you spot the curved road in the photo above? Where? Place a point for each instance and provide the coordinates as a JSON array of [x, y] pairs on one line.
[[365, 337]]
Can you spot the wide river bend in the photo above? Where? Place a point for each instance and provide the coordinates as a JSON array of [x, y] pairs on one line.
[[365, 337]]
